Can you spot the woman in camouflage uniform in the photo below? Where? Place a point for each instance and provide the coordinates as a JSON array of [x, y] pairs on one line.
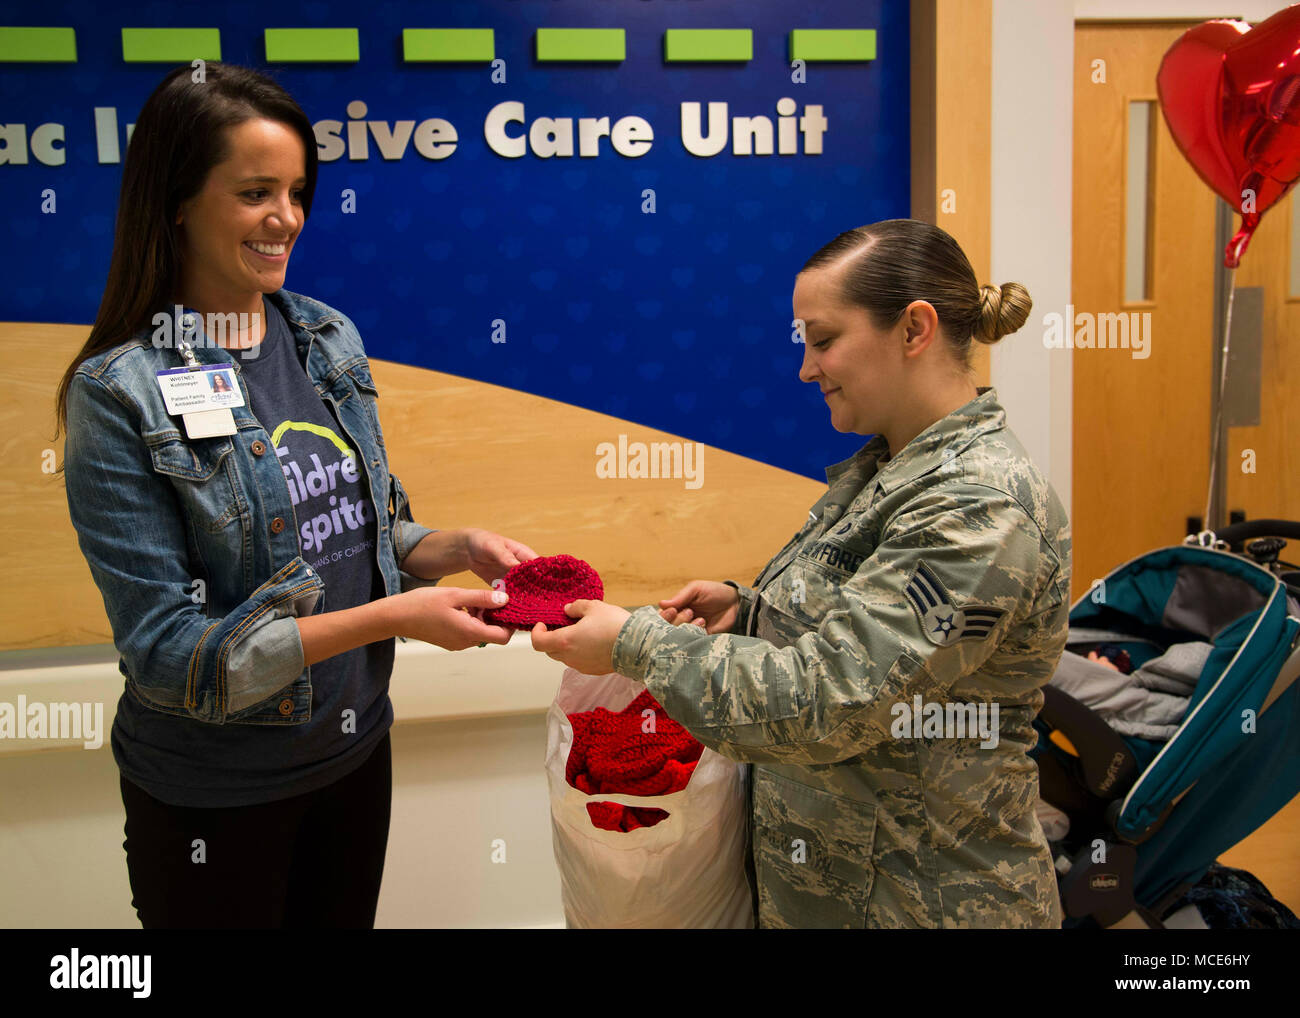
[[883, 671]]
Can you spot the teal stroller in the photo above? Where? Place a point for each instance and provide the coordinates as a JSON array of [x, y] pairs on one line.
[[1171, 729]]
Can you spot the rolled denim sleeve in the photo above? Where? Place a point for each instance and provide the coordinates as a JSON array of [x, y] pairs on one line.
[[132, 532]]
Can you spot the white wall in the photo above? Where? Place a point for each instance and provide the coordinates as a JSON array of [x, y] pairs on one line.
[[459, 784], [1033, 59]]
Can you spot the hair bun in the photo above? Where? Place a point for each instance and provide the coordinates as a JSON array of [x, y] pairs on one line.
[[1003, 310]]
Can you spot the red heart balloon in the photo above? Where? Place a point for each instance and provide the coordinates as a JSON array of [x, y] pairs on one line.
[[1231, 97]]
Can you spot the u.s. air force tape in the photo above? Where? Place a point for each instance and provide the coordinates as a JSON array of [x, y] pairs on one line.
[[831, 554], [942, 621]]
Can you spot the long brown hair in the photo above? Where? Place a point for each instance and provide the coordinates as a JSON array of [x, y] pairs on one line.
[[180, 135], [898, 261]]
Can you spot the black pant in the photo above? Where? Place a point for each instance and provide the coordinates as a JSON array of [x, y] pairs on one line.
[[313, 860]]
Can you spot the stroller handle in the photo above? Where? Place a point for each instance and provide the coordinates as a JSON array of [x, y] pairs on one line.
[[1237, 533]]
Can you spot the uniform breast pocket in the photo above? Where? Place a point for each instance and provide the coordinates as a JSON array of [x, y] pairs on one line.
[[807, 591], [812, 854], [199, 472]]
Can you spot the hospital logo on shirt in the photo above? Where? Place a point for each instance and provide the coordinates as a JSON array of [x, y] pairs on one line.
[[942, 621], [322, 472]]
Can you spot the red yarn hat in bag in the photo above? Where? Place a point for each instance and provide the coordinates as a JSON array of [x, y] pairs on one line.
[[614, 753], [541, 587]]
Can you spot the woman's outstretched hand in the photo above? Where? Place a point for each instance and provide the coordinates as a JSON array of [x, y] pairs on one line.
[[704, 603], [490, 556], [447, 616]]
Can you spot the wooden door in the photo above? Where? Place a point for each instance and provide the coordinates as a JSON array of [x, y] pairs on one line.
[[1142, 426], [1141, 433]]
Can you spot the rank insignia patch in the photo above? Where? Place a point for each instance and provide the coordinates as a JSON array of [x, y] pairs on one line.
[[942, 621]]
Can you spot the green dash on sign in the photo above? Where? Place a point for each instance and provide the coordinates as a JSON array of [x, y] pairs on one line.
[[38, 45], [605, 44], [847, 44], [317, 45], [170, 45], [708, 44], [448, 45]]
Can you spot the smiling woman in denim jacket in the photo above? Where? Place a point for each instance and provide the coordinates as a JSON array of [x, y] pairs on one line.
[[254, 580]]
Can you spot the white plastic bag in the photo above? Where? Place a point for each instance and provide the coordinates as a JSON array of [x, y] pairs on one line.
[[687, 871]]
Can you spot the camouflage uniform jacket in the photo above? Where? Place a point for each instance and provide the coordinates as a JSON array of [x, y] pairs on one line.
[[942, 574]]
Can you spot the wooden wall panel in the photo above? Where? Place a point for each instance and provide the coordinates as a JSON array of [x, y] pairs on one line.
[[952, 122], [1266, 483], [469, 454]]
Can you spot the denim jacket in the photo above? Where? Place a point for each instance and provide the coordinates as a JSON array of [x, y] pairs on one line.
[[193, 543]]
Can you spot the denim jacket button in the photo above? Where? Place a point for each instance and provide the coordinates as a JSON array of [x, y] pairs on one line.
[[258, 447], [277, 525], [286, 707]]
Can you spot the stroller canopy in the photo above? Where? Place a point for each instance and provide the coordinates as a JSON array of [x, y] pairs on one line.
[[1234, 760]]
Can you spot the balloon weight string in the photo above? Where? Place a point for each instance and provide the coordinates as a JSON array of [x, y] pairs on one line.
[[1218, 403]]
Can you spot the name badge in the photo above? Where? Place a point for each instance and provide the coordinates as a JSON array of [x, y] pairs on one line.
[[190, 390]]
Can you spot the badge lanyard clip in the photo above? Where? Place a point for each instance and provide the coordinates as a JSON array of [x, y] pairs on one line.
[[187, 351], [201, 423]]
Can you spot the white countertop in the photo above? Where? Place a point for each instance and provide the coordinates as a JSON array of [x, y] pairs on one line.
[[428, 683]]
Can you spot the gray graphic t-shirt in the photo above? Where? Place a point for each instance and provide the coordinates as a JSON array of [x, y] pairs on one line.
[[193, 763]]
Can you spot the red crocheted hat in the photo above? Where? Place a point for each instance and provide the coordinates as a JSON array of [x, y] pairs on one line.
[[541, 587]]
